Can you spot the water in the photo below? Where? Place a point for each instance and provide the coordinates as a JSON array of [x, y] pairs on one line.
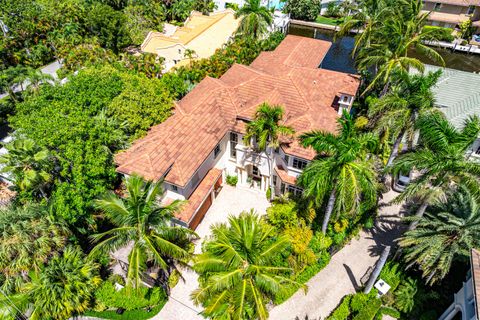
[[339, 56]]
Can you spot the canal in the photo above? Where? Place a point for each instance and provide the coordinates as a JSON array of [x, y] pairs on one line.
[[339, 57]]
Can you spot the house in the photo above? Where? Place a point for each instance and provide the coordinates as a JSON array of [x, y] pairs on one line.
[[196, 148], [450, 13], [466, 300], [200, 34], [457, 95]]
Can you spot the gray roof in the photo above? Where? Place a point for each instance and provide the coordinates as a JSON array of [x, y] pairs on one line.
[[457, 94]]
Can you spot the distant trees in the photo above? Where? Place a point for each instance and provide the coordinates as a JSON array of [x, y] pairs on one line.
[[255, 19], [303, 9]]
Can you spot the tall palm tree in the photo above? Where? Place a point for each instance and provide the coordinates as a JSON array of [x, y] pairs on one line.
[[142, 224], [397, 111], [29, 237], [62, 288], [35, 78], [447, 232], [266, 130], [255, 19], [29, 165], [237, 273], [342, 169], [439, 162]]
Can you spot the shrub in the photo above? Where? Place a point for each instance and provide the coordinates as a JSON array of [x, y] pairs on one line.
[[268, 193], [108, 296], [389, 312], [232, 180], [369, 223], [405, 295], [440, 33], [320, 242], [342, 311], [391, 274], [340, 226], [369, 310], [283, 215], [333, 10], [116, 278], [359, 301]]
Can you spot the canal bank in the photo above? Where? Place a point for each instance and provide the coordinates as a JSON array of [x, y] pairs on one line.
[[339, 57]]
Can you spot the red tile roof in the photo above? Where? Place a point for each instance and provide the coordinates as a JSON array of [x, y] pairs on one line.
[[199, 195], [287, 76], [284, 176]]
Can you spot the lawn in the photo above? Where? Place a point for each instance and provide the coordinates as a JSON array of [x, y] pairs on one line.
[[329, 21]]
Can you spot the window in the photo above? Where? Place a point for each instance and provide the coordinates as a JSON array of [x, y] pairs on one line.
[[470, 10], [282, 188], [255, 171], [174, 188], [345, 98], [299, 164], [437, 7], [195, 180], [295, 191], [277, 150], [180, 51], [286, 158], [275, 181], [217, 150], [233, 144]]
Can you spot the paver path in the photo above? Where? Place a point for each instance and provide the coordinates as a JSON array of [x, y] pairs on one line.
[[343, 273], [229, 201]]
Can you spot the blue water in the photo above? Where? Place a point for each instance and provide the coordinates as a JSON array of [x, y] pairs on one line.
[[276, 4]]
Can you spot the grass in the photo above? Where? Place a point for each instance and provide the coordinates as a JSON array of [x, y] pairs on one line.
[[127, 315], [329, 21]]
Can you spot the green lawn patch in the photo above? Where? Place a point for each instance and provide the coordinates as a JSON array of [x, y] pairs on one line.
[[329, 21]]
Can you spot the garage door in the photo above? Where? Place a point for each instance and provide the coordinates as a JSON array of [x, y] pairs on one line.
[[201, 212]]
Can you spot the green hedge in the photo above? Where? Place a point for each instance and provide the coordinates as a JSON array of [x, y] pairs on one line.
[[441, 33], [390, 312], [342, 311], [107, 297], [127, 315], [369, 310]]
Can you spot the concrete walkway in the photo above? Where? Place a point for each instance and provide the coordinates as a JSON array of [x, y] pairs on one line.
[[229, 201], [342, 275]]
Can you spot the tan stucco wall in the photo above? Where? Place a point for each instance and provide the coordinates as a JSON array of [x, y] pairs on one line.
[[175, 52]]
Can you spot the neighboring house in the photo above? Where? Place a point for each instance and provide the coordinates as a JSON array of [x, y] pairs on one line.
[[201, 34], [196, 148], [450, 13], [225, 4], [457, 95], [466, 300]]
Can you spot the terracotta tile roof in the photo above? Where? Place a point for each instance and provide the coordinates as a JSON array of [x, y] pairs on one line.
[[177, 147], [446, 17], [284, 176], [476, 279], [199, 195]]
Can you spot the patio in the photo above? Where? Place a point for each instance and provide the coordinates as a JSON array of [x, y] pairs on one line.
[[230, 200]]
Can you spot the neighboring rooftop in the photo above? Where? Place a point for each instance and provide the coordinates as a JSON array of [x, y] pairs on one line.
[[201, 33], [288, 76], [457, 94], [447, 17]]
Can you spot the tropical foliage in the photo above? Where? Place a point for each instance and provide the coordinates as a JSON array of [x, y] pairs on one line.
[[447, 232], [303, 9], [343, 172], [143, 226], [237, 274], [255, 19]]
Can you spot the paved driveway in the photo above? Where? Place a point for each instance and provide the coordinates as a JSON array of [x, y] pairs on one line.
[[230, 200]]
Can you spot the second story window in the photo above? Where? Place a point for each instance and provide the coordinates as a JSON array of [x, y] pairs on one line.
[[470, 10], [437, 7], [299, 164], [287, 159], [233, 144], [174, 188], [217, 150]]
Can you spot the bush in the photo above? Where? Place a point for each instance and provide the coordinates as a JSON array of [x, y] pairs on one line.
[[369, 223], [303, 9], [232, 180], [127, 315], [116, 278], [282, 215], [369, 310], [268, 194], [391, 274], [440, 33], [405, 295], [389, 312], [109, 297], [342, 311], [320, 242]]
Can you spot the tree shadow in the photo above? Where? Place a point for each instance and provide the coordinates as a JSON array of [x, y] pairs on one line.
[[351, 276]]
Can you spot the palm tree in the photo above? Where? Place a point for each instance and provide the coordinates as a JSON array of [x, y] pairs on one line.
[[447, 232], [142, 224], [440, 161], [29, 164], [29, 237], [342, 169], [62, 288], [237, 273], [266, 130], [397, 111], [255, 19], [35, 78]]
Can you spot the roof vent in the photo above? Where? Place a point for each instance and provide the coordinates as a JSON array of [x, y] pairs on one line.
[[314, 81]]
